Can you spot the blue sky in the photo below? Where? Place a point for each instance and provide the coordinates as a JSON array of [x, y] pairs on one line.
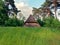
[[32, 3], [36, 3]]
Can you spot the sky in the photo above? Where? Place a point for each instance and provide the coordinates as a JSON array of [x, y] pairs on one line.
[[26, 5], [32, 3]]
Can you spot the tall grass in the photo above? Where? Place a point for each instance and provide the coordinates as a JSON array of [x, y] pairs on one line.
[[29, 36]]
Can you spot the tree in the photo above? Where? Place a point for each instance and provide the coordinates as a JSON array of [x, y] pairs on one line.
[[3, 13], [11, 2], [36, 12], [55, 6], [45, 4], [39, 13]]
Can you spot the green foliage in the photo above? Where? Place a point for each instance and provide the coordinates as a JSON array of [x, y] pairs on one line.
[[1, 5], [52, 22], [55, 23], [14, 22], [3, 13], [49, 22], [40, 22]]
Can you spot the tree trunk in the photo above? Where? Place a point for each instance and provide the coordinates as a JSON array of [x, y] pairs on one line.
[[55, 6]]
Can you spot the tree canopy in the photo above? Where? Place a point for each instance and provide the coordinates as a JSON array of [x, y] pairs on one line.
[[3, 14]]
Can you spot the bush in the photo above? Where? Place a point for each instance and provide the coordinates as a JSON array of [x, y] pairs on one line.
[[3, 18], [14, 22], [51, 22], [48, 21], [40, 22], [55, 23]]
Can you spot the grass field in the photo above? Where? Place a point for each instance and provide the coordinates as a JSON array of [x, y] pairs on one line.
[[29, 36]]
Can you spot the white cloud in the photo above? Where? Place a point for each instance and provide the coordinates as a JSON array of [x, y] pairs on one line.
[[18, 1], [25, 8]]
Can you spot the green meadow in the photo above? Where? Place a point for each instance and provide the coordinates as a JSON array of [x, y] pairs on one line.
[[29, 36]]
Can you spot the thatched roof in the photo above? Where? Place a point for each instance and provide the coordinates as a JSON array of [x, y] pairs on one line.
[[31, 19], [31, 22]]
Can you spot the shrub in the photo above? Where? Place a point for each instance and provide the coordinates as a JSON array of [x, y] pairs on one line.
[[40, 22], [14, 22], [55, 23], [51, 22], [48, 21]]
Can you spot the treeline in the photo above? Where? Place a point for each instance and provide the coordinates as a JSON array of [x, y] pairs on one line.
[[6, 21]]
